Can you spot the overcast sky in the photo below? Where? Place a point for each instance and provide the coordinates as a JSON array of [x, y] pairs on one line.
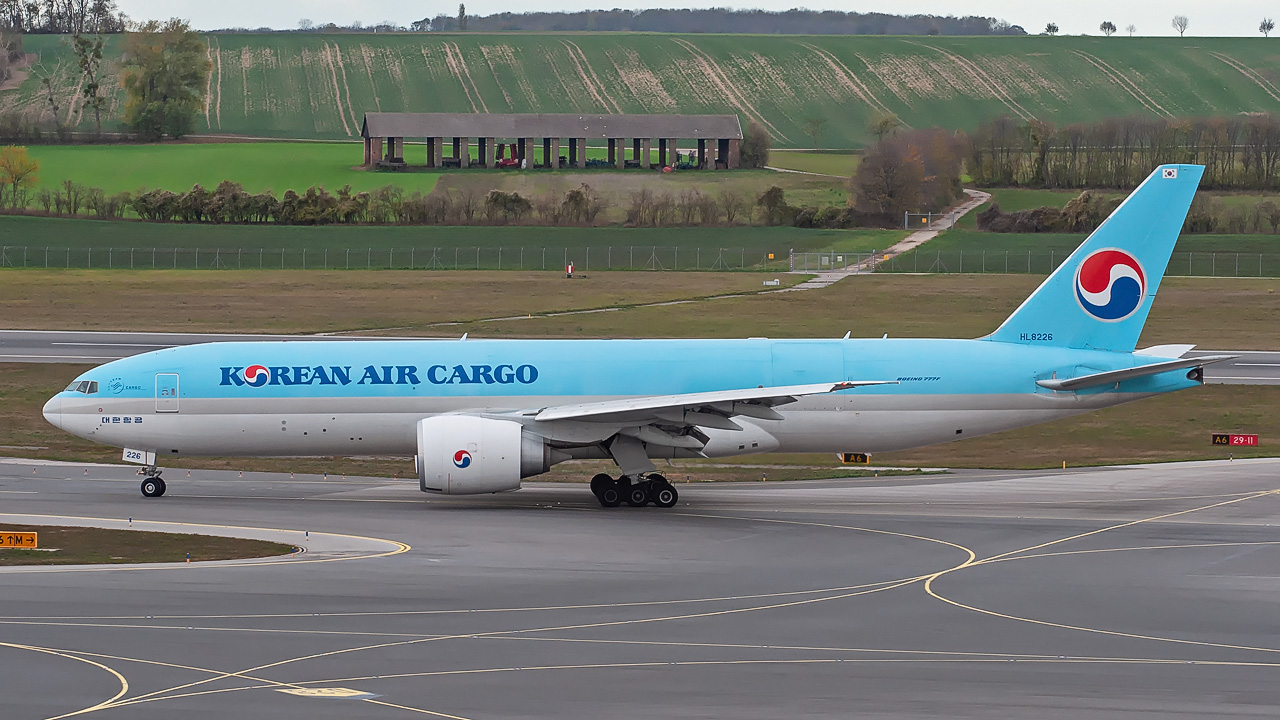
[[1224, 17]]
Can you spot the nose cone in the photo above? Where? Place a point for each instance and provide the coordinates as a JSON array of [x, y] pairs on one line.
[[53, 411]]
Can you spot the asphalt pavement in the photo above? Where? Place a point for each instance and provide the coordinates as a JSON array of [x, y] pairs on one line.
[[1134, 592], [1252, 367]]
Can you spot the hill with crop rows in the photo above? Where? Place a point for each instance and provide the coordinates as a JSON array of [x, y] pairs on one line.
[[319, 85]]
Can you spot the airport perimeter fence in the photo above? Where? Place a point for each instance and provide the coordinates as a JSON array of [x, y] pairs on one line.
[[587, 259], [1043, 262], [583, 258]]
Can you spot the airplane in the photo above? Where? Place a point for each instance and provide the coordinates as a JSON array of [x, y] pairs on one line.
[[481, 415]]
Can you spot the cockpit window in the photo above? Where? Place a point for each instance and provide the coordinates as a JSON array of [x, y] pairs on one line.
[[88, 387], [93, 387], [73, 386]]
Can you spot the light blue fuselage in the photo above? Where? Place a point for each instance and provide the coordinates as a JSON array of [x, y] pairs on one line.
[[356, 397]]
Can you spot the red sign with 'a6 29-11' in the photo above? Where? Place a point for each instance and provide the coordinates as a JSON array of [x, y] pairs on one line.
[[1237, 440]]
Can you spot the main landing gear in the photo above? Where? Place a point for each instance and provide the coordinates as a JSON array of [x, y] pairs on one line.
[[651, 488], [152, 484]]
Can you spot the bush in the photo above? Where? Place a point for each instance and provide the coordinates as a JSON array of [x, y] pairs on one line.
[[755, 147]]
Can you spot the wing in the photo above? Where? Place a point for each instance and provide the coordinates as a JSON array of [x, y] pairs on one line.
[[704, 409], [1114, 376]]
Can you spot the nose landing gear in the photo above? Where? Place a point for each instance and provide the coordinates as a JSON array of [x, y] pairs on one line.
[[651, 488], [152, 484]]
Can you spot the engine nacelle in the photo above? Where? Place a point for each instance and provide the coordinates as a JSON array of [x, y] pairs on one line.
[[470, 455]]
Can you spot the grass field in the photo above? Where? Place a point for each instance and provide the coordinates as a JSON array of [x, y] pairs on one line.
[[826, 163], [319, 301], [418, 302], [319, 85], [56, 242], [1248, 255], [1014, 199], [256, 166], [61, 545], [1167, 428]]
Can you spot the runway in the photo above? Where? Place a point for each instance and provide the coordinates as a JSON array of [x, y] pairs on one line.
[[1144, 591], [1252, 367]]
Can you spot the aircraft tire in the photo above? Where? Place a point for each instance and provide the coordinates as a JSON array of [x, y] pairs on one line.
[[638, 494], [607, 490], [153, 487], [599, 482], [664, 494]]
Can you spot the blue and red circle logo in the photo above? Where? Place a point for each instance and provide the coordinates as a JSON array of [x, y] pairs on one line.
[[256, 376], [462, 458], [1110, 285]]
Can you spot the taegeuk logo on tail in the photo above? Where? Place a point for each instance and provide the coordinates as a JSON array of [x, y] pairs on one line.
[[1110, 284]]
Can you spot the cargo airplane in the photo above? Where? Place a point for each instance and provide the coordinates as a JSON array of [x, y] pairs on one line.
[[480, 415]]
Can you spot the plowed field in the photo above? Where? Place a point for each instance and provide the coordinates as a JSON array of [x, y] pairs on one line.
[[319, 86]]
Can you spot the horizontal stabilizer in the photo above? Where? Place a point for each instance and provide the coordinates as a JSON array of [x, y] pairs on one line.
[[1115, 376], [691, 407]]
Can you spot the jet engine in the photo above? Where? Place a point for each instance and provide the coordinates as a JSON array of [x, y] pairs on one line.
[[470, 455]]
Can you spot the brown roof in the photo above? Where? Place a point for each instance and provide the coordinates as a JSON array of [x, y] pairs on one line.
[[680, 127]]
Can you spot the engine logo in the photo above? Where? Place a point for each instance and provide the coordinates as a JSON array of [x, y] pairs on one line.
[[462, 458]]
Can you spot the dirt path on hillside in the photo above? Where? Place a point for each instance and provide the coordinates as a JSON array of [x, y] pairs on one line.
[[848, 79], [458, 64], [976, 72], [1124, 82], [725, 86], [18, 72], [589, 77], [1250, 73]]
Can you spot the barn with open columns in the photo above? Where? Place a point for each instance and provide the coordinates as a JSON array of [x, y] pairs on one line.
[[709, 142]]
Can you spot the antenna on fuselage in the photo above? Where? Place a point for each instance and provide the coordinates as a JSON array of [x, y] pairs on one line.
[[846, 335], [464, 337]]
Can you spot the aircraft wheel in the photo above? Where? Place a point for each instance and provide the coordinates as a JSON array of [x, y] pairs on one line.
[[607, 490], [664, 495], [599, 482], [153, 487], [638, 494]]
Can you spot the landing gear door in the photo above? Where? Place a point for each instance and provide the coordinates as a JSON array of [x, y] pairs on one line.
[[166, 392]]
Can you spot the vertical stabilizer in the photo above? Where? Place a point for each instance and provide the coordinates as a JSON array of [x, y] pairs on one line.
[[1100, 296]]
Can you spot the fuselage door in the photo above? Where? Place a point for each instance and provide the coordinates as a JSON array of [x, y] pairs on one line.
[[166, 392]]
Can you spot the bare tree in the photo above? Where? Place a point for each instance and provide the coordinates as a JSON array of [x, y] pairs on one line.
[[733, 204], [1051, 29], [305, 24], [1266, 26], [1131, 29], [1180, 23], [813, 128], [883, 125], [88, 53], [1107, 27]]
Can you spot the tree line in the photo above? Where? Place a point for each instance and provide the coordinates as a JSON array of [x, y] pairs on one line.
[[230, 203], [1239, 152], [721, 20], [62, 17], [1085, 212]]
